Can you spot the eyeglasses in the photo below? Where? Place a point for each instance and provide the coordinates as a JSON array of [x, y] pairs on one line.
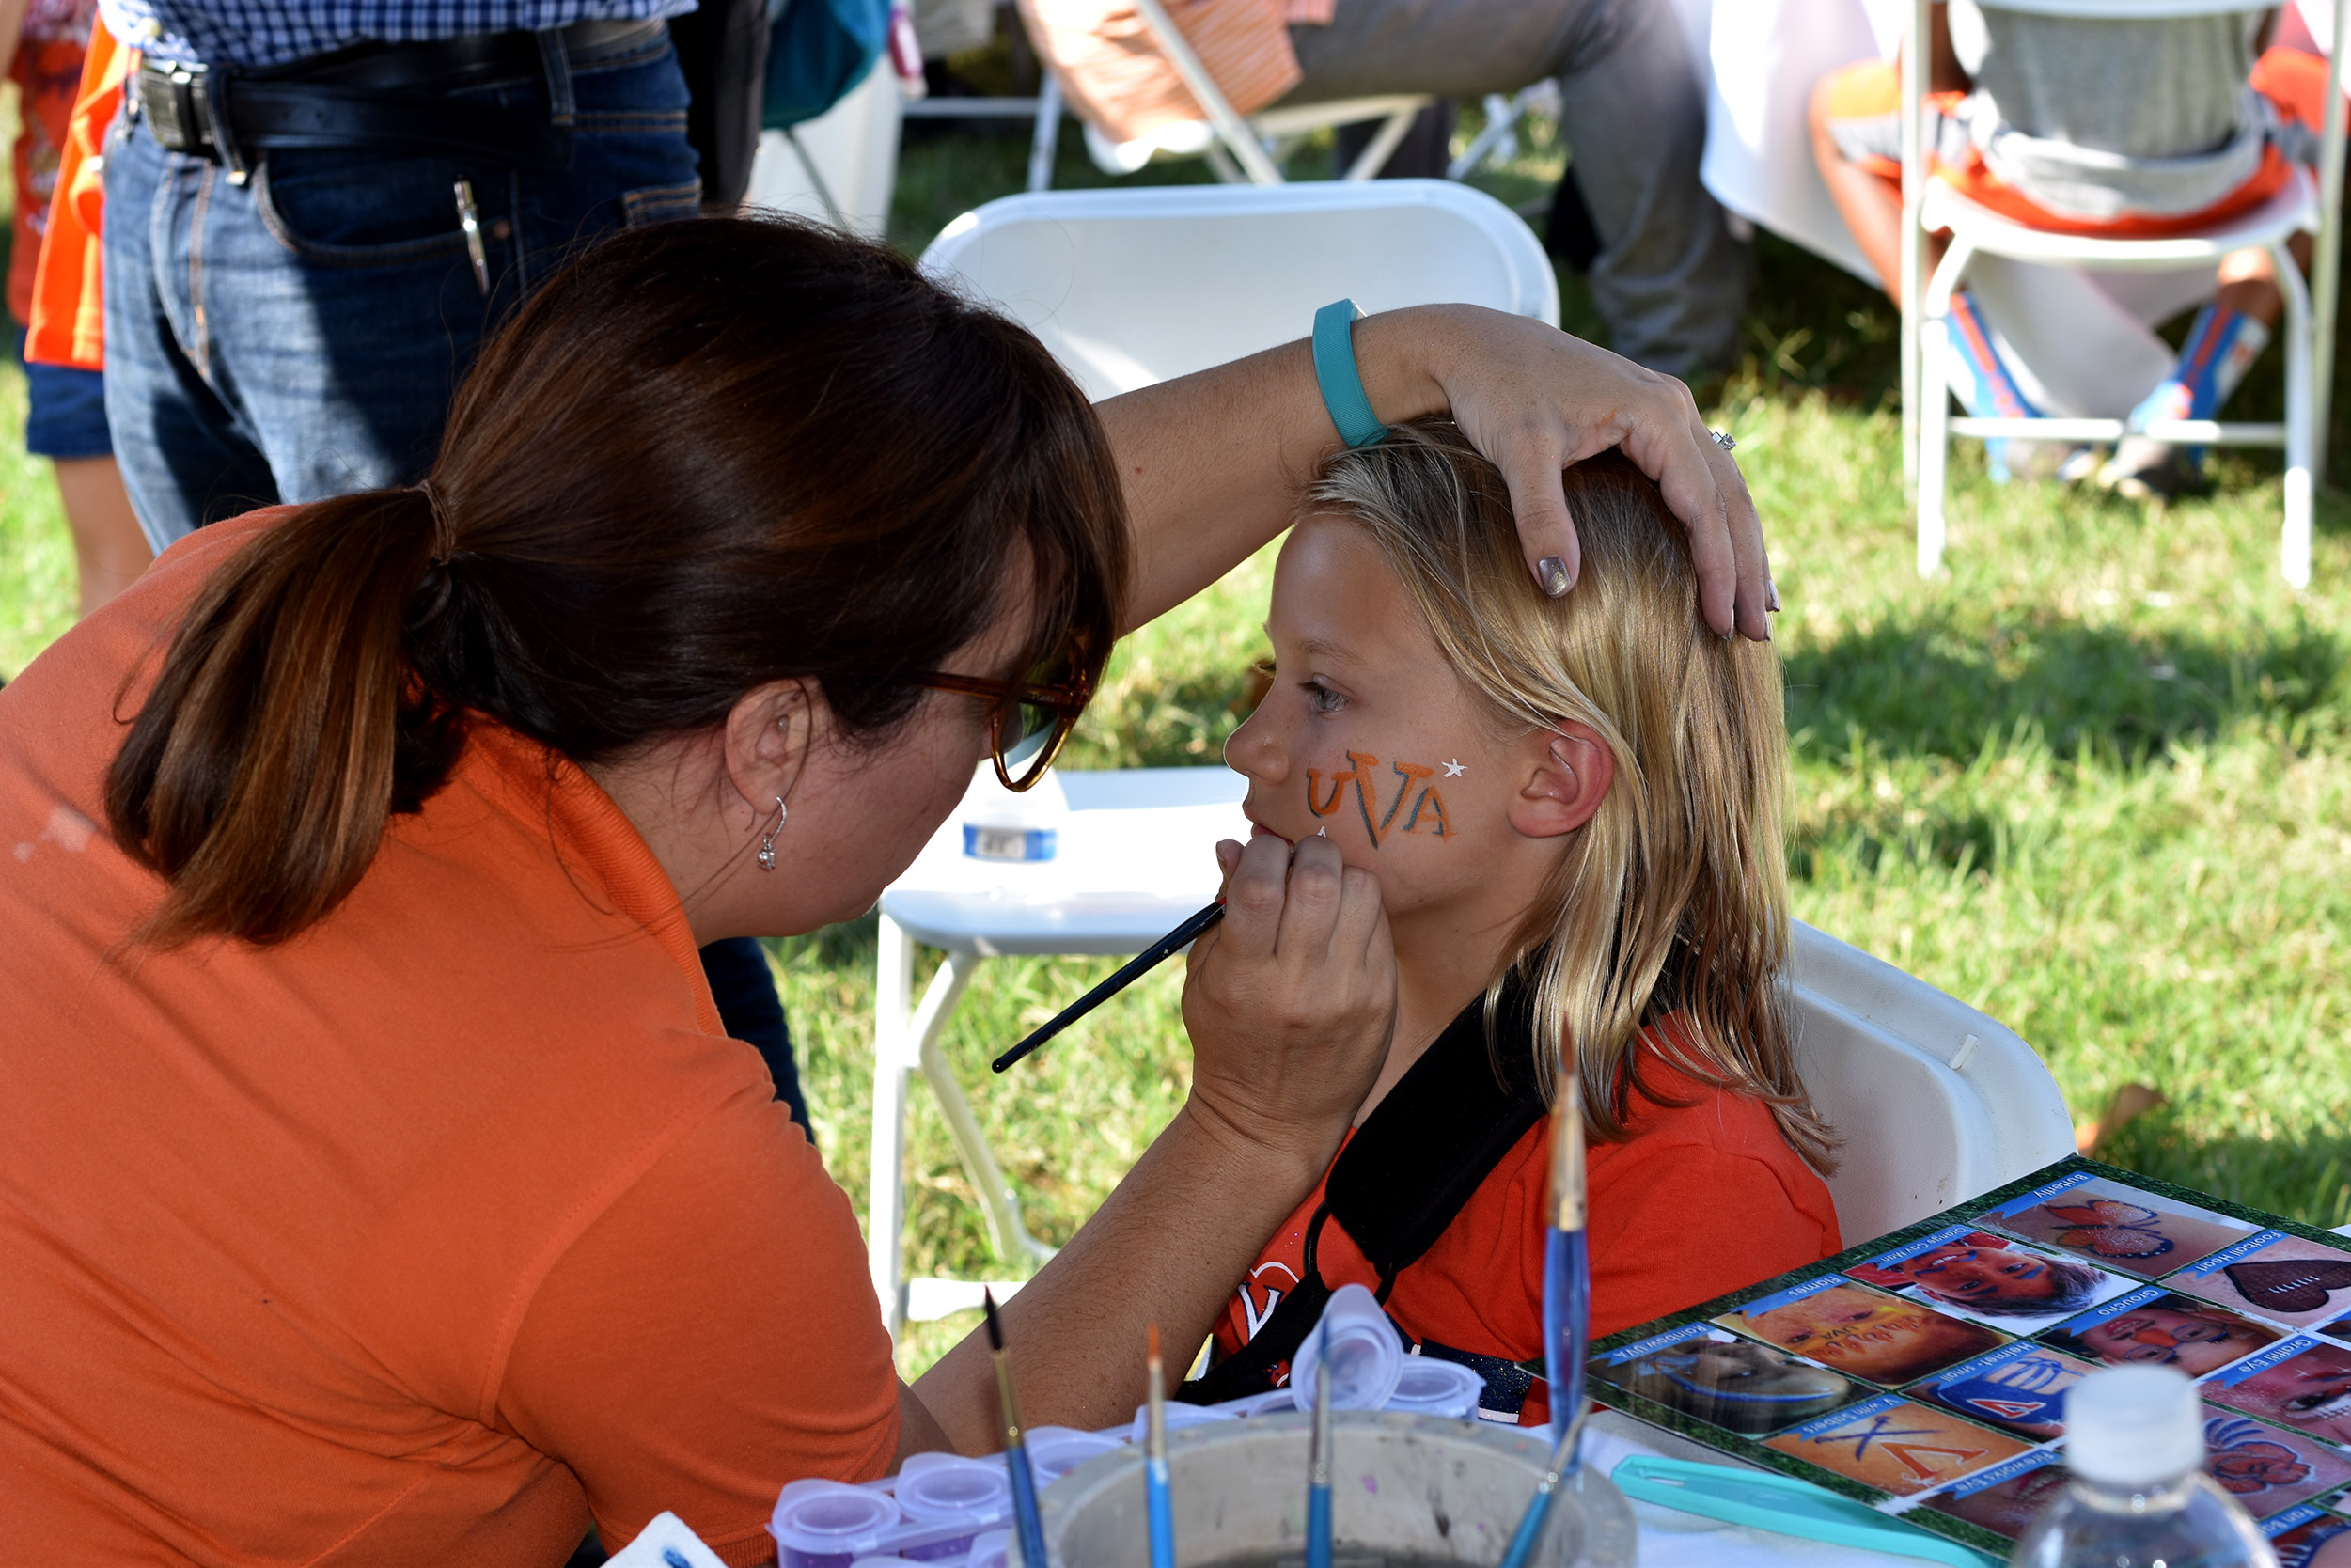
[[1030, 718]]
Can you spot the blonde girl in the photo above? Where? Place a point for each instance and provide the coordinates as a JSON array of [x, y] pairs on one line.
[[1575, 810]]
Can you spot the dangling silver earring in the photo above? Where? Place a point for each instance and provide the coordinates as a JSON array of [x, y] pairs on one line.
[[767, 845]]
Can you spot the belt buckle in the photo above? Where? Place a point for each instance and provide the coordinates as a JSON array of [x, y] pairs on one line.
[[168, 98]]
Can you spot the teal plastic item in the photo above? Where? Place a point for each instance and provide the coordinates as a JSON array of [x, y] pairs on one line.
[[1784, 1506], [818, 51], [1335, 373]]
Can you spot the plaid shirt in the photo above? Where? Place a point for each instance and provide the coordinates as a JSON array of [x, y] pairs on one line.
[[270, 32]]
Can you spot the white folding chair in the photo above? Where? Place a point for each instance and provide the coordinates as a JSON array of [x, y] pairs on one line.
[[2306, 206], [1936, 1101], [1131, 287]]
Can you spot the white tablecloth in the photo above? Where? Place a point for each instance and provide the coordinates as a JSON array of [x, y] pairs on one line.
[[1672, 1539]]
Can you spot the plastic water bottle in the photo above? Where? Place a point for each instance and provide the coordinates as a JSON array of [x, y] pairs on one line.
[[2139, 1497]]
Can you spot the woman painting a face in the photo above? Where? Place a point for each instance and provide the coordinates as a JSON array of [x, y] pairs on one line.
[[373, 1157]]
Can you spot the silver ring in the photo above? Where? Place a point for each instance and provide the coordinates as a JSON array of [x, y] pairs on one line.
[[1723, 439]]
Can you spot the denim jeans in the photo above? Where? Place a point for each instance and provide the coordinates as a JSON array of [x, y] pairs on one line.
[[1669, 281], [300, 336]]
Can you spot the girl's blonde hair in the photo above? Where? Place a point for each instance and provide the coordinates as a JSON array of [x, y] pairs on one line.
[[1674, 897]]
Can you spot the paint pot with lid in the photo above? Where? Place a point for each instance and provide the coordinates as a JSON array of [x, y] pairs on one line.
[[1428, 1385], [1054, 1452], [826, 1524]]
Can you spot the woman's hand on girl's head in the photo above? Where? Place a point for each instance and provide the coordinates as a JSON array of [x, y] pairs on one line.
[[1535, 400], [1290, 999]]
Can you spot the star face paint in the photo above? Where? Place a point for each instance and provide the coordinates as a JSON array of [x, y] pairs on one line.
[[1427, 813]]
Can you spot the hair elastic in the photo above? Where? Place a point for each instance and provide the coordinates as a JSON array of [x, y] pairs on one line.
[[1335, 373], [444, 531]]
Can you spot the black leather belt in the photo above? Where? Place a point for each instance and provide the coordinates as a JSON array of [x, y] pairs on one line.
[[385, 97]]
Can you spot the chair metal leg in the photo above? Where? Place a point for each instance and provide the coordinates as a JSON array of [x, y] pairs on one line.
[[885, 1181], [2293, 553], [1221, 164], [1374, 156], [1934, 450], [1046, 139], [1006, 1233], [1914, 396], [1235, 132]]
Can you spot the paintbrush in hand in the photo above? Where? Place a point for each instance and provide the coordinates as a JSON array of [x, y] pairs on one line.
[[1133, 969], [1161, 1507], [1028, 1524], [1318, 1520]]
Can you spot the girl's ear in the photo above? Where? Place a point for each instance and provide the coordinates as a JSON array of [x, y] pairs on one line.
[[1566, 776]]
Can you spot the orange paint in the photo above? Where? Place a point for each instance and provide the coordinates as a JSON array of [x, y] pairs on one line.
[[1427, 805]]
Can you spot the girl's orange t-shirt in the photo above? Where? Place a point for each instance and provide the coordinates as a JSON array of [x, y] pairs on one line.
[[419, 1238], [1698, 1200]]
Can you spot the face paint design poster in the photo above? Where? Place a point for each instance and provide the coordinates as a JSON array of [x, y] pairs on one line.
[[1925, 1372]]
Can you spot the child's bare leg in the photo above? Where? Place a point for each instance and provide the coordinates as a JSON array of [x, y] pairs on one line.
[[1871, 207], [108, 545], [2248, 282]]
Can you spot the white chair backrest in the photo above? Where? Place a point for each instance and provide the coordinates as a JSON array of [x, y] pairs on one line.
[[1129, 288], [2127, 10], [1936, 1101]]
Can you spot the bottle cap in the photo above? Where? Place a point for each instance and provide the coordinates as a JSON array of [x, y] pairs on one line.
[[2133, 1426]]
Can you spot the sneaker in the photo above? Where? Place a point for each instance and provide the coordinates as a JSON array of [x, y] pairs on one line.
[[2143, 470]]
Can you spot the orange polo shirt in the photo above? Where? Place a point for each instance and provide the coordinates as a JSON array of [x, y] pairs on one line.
[[418, 1238], [1697, 1200]]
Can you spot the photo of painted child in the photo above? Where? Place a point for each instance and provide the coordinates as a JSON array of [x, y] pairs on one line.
[[2267, 1469], [2323, 1543], [1863, 1332], [2020, 1390], [2121, 1227], [2164, 1329], [2310, 1392], [1734, 1384], [2286, 1280], [2008, 1500], [1993, 1279], [1897, 1444]]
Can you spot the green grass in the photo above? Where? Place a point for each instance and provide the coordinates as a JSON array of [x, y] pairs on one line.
[[2095, 779]]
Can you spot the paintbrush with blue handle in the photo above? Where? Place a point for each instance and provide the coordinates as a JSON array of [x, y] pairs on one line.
[[1566, 1309], [1028, 1524]]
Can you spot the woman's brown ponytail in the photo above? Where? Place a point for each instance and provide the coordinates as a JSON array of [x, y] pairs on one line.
[[708, 456], [259, 773]]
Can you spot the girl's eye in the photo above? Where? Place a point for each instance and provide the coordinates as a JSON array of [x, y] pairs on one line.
[[1320, 699]]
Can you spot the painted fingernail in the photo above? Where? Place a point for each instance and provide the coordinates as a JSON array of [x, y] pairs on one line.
[[1552, 573], [1771, 596]]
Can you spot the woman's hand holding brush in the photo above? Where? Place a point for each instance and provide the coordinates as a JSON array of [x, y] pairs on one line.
[[1290, 999]]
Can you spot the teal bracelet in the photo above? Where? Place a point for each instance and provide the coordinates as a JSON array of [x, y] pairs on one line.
[[1335, 373]]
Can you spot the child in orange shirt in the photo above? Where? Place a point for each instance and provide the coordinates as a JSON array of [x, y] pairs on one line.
[[1574, 806]]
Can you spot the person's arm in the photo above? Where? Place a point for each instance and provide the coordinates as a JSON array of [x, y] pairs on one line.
[[1289, 1004], [11, 28], [1213, 463]]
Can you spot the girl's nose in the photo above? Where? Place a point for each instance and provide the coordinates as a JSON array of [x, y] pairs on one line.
[[1255, 751]]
